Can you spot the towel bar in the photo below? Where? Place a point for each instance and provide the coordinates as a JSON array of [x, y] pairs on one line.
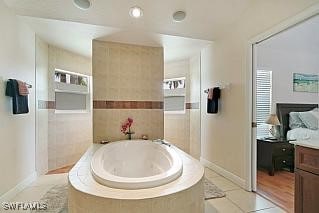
[[29, 85], [221, 86]]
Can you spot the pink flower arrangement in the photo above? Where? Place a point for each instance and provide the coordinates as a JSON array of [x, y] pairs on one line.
[[127, 126]]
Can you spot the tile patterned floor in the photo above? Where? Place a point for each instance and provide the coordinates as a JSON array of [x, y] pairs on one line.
[[237, 200]]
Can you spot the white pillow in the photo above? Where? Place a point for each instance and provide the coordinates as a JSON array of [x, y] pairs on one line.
[[315, 113], [310, 119], [295, 121], [315, 110]]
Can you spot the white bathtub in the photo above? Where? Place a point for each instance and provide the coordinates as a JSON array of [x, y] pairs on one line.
[[135, 164]]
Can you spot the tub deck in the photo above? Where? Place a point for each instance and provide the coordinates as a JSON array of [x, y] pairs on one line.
[[80, 178], [183, 195]]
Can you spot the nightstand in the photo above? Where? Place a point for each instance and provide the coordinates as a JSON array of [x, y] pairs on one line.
[[275, 155]]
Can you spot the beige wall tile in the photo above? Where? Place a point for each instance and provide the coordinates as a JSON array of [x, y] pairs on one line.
[[187, 201], [176, 126], [124, 72], [69, 135], [183, 130], [177, 130], [107, 123], [194, 135]]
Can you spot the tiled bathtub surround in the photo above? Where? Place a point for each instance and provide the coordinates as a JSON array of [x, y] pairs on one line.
[[70, 134], [128, 105], [183, 195], [146, 121], [192, 105], [183, 129], [128, 83]]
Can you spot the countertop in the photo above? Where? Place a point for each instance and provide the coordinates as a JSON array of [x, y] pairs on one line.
[[314, 144]]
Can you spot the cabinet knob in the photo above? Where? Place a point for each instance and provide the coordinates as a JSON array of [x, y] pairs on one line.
[[284, 161], [283, 149]]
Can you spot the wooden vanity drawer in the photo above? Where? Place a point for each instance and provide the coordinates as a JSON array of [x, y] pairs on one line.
[[307, 159]]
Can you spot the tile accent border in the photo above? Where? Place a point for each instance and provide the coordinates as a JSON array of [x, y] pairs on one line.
[[192, 105], [101, 104], [46, 104]]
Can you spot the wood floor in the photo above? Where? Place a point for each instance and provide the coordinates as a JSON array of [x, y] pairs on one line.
[[278, 188], [65, 169]]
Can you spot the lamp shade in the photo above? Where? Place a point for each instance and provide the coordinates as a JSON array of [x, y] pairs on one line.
[[273, 120]]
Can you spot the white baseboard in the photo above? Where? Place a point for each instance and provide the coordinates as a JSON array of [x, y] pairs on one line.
[[221, 171], [18, 188]]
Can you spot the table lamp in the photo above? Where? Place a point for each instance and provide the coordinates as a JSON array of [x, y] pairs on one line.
[[274, 122]]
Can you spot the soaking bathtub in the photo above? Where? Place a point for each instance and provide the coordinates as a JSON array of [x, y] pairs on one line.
[[136, 177], [137, 164]]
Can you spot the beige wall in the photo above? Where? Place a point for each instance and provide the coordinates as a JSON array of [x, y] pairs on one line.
[[70, 134], [123, 72], [223, 136], [17, 132], [42, 116]]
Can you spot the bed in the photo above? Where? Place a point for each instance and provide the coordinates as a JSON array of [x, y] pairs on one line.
[[299, 133]]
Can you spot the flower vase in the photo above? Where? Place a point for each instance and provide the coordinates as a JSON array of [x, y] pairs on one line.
[[130, 133]]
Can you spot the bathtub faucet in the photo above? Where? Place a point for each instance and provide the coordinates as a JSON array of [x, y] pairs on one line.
[[161, 142]]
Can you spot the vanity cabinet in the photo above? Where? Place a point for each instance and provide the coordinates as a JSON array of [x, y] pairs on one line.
[[306, 180]]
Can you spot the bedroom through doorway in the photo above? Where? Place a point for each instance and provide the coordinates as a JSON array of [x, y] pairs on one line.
[[285, 69]]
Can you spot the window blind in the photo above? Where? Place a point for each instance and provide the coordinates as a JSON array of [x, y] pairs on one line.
[[174, 103], [70, 101], [263, 101]]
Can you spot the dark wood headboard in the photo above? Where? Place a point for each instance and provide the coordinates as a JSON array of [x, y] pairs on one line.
[[283, 110]]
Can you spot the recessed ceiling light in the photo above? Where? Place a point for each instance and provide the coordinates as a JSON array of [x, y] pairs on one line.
[[136, 12], [179, 16], [82, 4]]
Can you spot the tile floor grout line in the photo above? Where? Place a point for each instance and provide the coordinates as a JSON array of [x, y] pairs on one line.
[[262, 209], [275, 206], [233, 190], [53, 182], [234, 203], [273, 202]]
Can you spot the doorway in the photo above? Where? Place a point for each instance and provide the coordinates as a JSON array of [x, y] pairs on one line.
[[277, 59]]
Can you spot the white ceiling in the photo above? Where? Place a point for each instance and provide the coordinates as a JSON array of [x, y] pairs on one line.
[[60, 23], [77, 37], [205, 19]]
